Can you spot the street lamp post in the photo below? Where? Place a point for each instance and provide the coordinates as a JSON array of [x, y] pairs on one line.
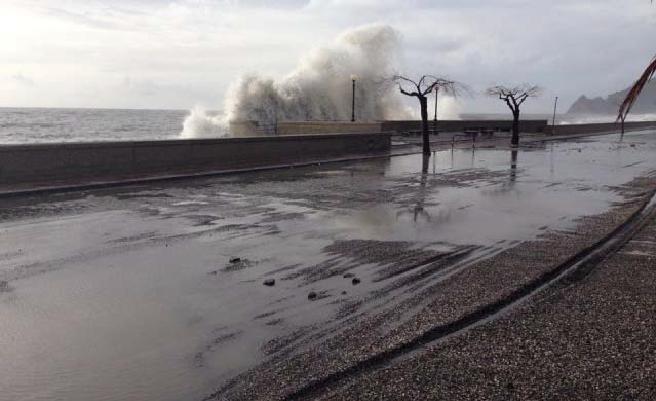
[[436, 90], [353, 77], [553, 121]]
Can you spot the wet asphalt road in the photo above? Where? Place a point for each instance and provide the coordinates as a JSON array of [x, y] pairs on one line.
[[129, 293]]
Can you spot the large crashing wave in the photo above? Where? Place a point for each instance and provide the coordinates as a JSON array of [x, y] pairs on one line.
[[319, 88]]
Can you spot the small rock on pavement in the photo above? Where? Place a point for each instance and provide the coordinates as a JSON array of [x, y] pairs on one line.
[[270, 282], [235, 260], [356, 281], [312, 296]]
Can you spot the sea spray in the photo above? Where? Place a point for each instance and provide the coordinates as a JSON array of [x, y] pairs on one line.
[[201, 124], [319, 88], [448, 108]]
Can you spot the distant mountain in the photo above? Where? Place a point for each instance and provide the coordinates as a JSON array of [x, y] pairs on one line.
[[646, 103]]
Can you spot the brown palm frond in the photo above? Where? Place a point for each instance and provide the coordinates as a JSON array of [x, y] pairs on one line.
[[635, 90]]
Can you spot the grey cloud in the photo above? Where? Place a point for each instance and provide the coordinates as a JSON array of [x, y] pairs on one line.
[[570, 47]]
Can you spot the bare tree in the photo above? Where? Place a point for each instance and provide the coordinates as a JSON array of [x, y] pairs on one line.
[[421, 89], [514, 98]]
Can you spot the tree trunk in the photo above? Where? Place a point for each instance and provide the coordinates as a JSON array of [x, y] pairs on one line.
[[424, 167], [515, 129], [424, 125], [513, 165]]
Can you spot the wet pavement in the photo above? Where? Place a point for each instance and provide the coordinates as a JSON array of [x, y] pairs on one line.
[[591, 336], [130, 293]]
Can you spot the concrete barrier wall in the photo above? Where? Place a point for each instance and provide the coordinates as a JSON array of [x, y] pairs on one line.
[[242, 129], [573, 129], [327, 127], [101, 161], [529, 126], [400, 126]]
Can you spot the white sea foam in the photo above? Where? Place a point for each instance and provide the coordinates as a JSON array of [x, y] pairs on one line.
[[201, 124]]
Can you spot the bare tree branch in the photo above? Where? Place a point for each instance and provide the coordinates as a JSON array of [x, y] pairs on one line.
[[514, 96], [407, 93], [428, 83], [400, 79]]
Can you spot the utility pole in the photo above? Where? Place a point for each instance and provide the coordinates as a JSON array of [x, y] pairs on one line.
[[553, 121], [353, 99]]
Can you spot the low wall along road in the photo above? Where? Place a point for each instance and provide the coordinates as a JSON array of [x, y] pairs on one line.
[[69, 164], [573, 129], [400, 126], [55, 164], [252, 128]]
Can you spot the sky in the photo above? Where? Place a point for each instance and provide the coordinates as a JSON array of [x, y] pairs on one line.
[[178, 54]]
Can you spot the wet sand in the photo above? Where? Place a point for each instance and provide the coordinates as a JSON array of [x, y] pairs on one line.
[[130, 293]]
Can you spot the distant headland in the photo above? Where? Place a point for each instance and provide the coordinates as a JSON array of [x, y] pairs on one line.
[[646, 103]]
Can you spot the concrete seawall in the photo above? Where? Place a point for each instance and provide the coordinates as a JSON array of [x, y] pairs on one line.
[[56, 164], [573, 129], [68, 164], [244, 129], [327, 127], [526, 126], [251, 128], [529, 126]]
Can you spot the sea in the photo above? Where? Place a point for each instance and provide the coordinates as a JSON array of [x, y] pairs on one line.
[[43, 125]]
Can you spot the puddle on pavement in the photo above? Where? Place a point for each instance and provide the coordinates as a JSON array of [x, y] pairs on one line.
[[129, 293]]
